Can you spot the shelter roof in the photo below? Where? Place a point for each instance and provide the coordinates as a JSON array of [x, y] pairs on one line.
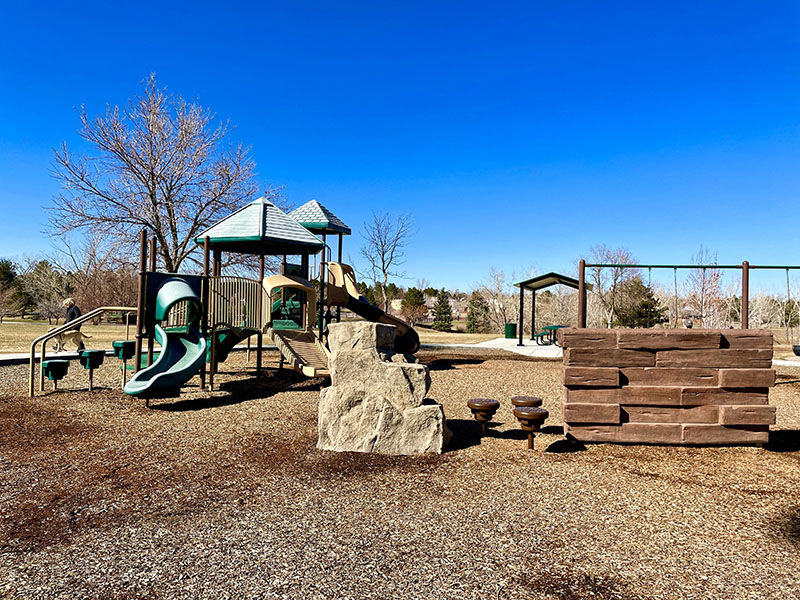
[[317, 218], [261, 227], [548, 279]]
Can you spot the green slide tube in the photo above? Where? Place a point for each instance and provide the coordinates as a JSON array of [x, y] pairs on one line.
[[183, 351]]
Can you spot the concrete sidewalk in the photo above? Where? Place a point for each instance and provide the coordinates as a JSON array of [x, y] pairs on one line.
[[528, 349]]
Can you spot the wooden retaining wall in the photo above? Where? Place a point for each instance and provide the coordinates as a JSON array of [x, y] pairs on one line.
[[668, 386]]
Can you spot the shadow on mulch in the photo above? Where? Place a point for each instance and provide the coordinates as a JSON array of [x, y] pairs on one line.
[[573, 586], [243, 390], [466, 433], [448, 364], [787, 525], [554, 429], [565, 447], [511, 434], [783, 440]]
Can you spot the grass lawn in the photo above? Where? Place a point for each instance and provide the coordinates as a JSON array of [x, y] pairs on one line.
[[16, 336], [428, 335]]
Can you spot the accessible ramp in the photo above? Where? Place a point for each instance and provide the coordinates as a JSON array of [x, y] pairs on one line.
[[183, 349], [342, 290]]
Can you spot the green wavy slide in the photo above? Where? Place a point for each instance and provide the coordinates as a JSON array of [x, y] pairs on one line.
[[183, 349]]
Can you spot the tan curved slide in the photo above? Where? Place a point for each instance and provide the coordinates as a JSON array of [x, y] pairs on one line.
[[342, 290]]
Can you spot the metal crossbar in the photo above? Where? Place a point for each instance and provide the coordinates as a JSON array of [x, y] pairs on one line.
[[635, 266]]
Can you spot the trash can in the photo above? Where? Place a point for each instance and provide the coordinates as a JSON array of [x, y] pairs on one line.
[[511, 331]]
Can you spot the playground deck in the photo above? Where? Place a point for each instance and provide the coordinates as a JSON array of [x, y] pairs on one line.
[[213, 492]]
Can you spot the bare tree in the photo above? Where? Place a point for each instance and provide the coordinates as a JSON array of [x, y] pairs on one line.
[[607, 282], [556, 305], [160, 163], [46, 287], [100, 276], [9, 302], [704, 289], [497, 293], [384, 240], [765, 311]]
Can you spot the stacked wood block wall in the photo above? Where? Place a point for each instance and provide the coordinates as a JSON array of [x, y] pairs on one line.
[[668, 386]]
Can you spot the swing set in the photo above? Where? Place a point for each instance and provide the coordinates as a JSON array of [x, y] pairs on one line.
[[745, 268]]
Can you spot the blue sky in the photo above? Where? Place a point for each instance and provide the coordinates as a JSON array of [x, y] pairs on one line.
[[516, 134]]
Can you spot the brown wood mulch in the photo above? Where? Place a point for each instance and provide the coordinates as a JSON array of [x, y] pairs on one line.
[[223, 495]]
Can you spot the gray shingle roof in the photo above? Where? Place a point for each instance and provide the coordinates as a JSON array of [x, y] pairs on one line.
[[314, 216], [260, 225]]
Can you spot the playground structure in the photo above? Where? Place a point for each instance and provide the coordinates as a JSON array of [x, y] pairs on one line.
[[197, 320], [668, 386]]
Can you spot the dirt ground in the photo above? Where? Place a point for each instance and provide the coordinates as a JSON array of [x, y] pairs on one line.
[[223, 495]]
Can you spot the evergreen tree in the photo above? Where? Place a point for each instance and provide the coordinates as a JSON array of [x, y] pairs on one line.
[[8, 272], [368, 292], [442, 314], [414, 308], [735, 309], [642, 308], [477, 313]]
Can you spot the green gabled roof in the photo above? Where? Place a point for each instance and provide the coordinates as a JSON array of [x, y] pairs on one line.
[[315, 217], [548, 279], [261, 227]]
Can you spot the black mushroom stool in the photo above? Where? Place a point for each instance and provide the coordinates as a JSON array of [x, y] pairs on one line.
[[526, 401], [483, 410], [531, 419]]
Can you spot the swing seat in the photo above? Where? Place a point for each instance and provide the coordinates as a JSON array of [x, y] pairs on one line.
[[796, 349]]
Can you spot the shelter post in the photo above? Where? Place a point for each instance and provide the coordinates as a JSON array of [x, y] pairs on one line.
[[521, 314], [533, 314]]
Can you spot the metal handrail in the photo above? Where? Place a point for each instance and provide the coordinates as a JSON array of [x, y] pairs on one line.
[[58, 331]]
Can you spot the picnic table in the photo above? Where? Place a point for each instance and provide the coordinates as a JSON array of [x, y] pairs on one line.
[[548, 334]]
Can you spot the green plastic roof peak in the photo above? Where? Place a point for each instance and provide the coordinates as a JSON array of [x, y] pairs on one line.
[[316, 217], [261, 226], [548, 279]]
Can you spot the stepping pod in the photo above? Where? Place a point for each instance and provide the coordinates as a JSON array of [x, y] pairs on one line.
[[483, 410], [530, 419], [124, 350], [526, 401], [90, 360], [55, 370]]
